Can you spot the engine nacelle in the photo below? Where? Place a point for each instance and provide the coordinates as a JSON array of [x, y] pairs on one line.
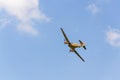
[[65, 42], [71, 50]]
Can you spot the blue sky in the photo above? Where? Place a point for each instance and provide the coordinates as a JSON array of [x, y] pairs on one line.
[[31, 43]]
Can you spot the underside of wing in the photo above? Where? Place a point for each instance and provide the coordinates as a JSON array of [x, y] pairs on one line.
[[65, 35], [79, 55]]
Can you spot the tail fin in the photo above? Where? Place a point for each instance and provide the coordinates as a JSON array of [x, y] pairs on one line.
[[83, 45]]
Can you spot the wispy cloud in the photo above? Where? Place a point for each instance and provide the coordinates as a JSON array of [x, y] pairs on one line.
[[113, 36], [105, 1], [93, 8], [24, 11], [4, 23]]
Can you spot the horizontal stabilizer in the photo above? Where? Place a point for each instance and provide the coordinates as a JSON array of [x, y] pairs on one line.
[[83, 45]]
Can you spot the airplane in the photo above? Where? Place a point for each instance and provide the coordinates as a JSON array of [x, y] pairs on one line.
[[73, 46]]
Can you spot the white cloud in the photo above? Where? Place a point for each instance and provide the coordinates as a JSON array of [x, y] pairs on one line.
[[113, 37], [24, 11], [27, 29], [93, 8]]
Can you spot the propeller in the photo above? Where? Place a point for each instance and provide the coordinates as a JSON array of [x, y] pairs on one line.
[[82, 44]]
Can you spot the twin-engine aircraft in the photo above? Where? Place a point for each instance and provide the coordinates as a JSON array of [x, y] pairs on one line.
[[72, 46]]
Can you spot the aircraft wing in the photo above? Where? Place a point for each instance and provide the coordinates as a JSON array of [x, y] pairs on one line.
[[79, 55], [65, 36]]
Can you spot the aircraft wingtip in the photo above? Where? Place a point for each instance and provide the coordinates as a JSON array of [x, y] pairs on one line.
[[61, 29]]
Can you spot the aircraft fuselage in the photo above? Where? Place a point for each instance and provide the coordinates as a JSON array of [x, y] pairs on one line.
[[74, 45]]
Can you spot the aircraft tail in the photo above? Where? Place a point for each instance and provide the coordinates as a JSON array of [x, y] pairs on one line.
[[82, 44]]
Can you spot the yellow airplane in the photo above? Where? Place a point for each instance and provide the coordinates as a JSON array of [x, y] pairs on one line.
[[73, 45]]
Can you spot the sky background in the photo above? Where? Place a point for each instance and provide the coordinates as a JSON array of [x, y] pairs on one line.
[[32, 45]]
